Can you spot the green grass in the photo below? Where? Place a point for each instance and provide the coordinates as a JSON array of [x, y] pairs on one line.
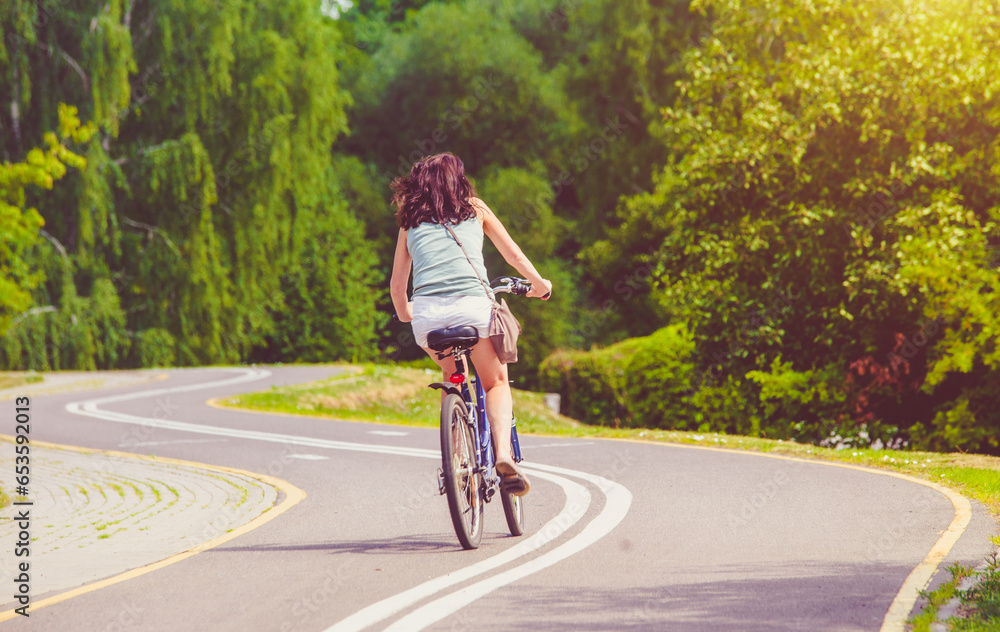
[[390, 394], [939, 597], [985, 480], [981, 603], [13, 380]]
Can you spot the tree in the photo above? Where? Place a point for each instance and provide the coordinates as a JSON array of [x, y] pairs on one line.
[[829, 171], [20, 224], [454, 80], [215, 126]]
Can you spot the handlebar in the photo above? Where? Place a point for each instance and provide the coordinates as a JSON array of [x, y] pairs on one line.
[[503, 285], [512, 285]]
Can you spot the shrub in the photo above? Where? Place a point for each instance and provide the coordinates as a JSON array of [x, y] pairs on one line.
[[636, 382], [589, 382], [658, 378], [800, 404], [971, 422], [724, 405]]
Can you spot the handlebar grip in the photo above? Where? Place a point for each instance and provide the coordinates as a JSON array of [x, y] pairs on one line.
[[521, 288]]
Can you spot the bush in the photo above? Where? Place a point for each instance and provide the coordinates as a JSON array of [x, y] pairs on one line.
[[724, 405], [589, 383], [82, 333], [658, 379], [801, 404], [636, 382], [969, 423]]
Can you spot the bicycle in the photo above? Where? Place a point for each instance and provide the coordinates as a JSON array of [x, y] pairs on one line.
[[467, 474]]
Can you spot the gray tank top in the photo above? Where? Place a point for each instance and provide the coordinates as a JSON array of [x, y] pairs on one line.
[[439, 266]]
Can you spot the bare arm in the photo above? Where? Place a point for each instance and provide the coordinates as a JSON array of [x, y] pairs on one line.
[[401, 265], [509, 250]]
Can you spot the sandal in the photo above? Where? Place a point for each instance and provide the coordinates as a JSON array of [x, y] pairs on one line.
[[512, 480]]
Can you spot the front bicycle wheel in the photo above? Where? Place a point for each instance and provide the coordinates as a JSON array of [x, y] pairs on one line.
[[513, 511], [462, 484]]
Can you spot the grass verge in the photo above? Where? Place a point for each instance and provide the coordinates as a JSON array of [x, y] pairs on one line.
[[390, 394], [939, 597], [981, 603], [13, 380]]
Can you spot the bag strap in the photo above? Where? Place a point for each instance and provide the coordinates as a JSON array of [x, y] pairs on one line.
[[469, 259]]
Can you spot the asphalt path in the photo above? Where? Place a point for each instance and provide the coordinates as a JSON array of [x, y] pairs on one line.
[[620, 535]]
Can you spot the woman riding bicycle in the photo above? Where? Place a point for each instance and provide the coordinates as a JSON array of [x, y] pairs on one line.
[[446, 289]]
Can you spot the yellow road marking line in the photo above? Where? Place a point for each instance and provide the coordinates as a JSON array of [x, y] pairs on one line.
[[293, 495]]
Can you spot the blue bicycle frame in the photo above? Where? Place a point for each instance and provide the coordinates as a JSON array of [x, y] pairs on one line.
[[484, 437], [485, 460]]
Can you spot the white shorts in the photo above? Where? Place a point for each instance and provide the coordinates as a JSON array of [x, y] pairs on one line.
[[438, 312]]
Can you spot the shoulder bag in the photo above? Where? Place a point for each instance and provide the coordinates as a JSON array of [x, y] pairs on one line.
[[504, 328]]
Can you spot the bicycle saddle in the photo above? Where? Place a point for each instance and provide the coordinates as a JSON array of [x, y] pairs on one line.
[[441, 339]]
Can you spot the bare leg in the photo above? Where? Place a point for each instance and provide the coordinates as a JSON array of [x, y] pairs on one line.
[[499, 401]]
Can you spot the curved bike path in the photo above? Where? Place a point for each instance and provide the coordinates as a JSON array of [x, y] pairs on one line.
[[710, 540]]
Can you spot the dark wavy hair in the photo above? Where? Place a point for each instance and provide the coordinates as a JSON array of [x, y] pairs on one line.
[[437, 191]]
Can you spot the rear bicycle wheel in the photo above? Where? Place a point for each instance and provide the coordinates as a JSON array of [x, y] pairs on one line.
[[462, 484]]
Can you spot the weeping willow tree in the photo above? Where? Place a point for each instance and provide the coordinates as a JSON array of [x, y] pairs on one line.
[[204, 226]]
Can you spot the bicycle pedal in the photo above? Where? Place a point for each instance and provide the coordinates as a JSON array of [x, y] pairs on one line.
[[440, 482]]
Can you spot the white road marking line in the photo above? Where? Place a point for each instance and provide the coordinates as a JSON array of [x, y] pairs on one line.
[[249, 375], [561, 445], [618, 503], [388, 433], [308, 457], [619, 498], [89, 409], [149, 443], [577, 503]]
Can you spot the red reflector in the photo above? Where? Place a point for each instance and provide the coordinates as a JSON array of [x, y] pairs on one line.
[[456, 378]]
